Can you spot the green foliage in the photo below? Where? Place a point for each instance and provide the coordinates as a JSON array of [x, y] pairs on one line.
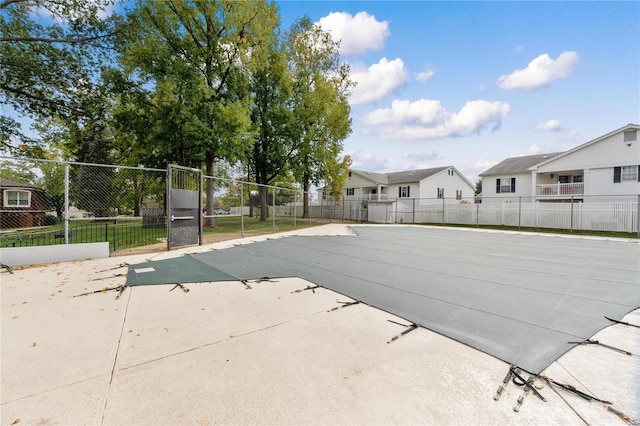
[[478, 189], [49, 51]]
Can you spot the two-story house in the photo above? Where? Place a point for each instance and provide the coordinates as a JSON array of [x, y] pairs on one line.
[[605, 168], [438, 182]]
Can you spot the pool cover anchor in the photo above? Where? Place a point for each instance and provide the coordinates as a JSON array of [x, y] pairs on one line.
[[186, 290], [120, 289], [622, 322], [572, 389], [517, 379], [528, 386], [590, 398], [312, 288], [597, 342], [344, 305], [409, 329]]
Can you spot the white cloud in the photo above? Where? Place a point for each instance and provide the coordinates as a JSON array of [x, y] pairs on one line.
[[540, 72], [427, 119], [551, 126], [533, 149], [368, 162], [377, 81], [422, 156], [356, 34], [425, 75]]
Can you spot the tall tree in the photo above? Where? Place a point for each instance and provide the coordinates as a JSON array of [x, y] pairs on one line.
[[271, 114], [194, 55], [320, 106], [48, 50]]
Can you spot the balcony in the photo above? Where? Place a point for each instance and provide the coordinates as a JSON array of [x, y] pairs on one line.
[[560, 189], [376, 197]]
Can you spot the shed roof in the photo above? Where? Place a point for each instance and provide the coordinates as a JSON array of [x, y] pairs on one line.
[[518, 164]]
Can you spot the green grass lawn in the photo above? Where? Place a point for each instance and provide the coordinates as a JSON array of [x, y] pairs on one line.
[[253, 226]]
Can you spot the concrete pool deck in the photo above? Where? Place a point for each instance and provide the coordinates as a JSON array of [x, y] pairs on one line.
[[272, 354]]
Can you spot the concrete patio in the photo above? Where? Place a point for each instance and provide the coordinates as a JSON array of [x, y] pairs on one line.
[[275, 353]]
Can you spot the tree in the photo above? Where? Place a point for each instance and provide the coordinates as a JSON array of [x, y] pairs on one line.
[[478, 190], [272, 117], [320, 106], [48, 50], [195, 56]]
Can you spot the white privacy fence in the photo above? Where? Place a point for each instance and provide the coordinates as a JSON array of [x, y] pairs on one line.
[[602, 213]]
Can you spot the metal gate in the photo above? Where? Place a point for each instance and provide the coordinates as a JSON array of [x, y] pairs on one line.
[[184, 196]]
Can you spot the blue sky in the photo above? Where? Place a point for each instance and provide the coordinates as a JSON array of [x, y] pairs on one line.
[[471, 83]]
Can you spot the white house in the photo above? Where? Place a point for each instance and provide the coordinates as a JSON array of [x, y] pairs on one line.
[[397, 197], [605, 168], [439, 182]]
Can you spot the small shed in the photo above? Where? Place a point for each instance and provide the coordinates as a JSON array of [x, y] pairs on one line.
[[23, 205]]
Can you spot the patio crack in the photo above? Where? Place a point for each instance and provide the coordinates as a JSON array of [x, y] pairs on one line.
[[115, 359]]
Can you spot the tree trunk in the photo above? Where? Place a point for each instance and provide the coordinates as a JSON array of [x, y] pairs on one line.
[[210, 222], [305, 196], [264, 203]]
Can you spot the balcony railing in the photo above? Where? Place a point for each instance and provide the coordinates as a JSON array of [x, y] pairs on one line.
[[560, 189], [376, 197]]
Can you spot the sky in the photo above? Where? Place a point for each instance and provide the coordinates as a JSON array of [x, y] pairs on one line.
[[469, 84]]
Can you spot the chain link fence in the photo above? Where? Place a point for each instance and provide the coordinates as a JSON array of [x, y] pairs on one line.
[[52, 202]]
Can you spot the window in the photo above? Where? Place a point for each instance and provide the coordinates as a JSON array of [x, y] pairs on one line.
[[577, 179], [505, 185], [458, 194], [349, 173], [630, 136], [17, 198], [626, 174], [403, 192], [351, 192], [440, 192]]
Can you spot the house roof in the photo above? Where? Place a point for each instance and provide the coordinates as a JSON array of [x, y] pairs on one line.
[[400, 177], [524, 164], [630, 126], [518, 164], [8, 183]]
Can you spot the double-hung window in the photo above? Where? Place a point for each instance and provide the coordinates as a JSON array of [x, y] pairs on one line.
[[13, 198], [626, 174], [505, 185], [351, 192], [440, 192], [458, 194], [403, 192]]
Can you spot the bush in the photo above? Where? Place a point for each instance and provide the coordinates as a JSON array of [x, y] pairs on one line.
[[51, 220]]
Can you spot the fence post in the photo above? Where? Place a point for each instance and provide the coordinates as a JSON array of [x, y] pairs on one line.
[[413, 212], [571, 221], [115, 244], [443, 206], [638, 216], [242, 209], [66, 203], [477, 211], [519, 211], [295, 204], [273, 201], [321, 209]]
